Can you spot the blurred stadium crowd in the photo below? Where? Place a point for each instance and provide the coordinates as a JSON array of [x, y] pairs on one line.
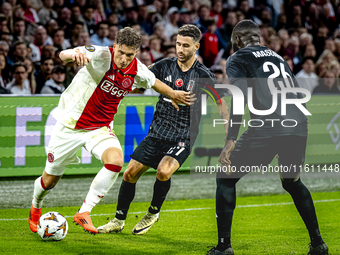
[[306, 33]]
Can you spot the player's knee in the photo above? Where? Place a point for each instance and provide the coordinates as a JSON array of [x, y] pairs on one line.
[[113, 156], [50, 181], [163, 175], [128, 176], [114, 160]]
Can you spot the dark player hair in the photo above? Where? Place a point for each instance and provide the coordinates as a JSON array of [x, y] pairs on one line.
[[247, 29], [18, 64], [190, 31], [129, 37]]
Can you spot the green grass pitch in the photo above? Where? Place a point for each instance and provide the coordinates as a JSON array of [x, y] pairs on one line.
[[262, 225]]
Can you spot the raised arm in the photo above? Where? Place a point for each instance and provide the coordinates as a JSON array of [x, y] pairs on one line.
[[74, 55]]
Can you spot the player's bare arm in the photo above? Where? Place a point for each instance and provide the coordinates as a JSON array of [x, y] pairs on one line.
[[72, 55], [229, 146]]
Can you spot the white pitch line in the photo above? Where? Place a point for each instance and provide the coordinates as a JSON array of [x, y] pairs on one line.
[[198, 209]]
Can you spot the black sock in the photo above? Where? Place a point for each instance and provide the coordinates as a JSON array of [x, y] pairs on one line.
[[160, 190], [304, 204], [126, 194], [225, 205]]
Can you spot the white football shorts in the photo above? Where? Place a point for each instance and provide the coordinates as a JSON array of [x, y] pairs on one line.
[[65, 142]]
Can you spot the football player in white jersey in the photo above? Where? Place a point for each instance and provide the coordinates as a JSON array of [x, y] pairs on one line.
[[85, 111]]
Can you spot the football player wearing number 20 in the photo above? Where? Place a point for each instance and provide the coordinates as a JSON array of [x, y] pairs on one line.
[[263, 71], [84, 114]]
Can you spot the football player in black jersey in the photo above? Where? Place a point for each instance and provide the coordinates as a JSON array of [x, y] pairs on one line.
[[262, 71], [171, 134]]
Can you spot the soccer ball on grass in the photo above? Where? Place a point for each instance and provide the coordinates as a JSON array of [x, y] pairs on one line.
[[52, 226]]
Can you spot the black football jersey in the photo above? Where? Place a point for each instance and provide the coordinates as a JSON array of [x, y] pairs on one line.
[[268, 75], [168, 123]]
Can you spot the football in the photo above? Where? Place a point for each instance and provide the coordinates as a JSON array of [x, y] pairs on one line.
[[52, 226]]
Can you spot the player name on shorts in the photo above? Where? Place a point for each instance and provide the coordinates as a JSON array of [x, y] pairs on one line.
[[266, 53]]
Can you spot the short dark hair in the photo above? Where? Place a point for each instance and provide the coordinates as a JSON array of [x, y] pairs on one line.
[[101, 23], [129, 37], [18, 64], [307, 58], [18, 20], [190, 31], [55, 31], [44, 58], [248, 29], [17, 43]]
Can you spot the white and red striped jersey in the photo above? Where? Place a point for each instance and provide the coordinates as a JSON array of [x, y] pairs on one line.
[[92, 99]]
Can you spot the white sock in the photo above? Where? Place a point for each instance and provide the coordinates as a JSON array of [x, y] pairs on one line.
[[101, 184], [39, 193]]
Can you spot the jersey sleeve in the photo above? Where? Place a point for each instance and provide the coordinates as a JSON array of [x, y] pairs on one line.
[[145, 78], [98, 55]]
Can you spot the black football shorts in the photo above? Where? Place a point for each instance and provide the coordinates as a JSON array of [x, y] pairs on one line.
[[151, 151]]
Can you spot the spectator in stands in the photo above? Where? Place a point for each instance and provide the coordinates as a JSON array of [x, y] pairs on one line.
[[158, 30], [326, 57], [224, 32], [65, 22], [89, 19], [55, 84], [145, 58], [19, 28], [3, 24], [274, 43], [99, 13], [51, 25], [40, 37], [7, 37], [203, 15], [329, 45], [4, 74], [7, 10], [76, 16], [209, 43], [155, 47], [113, 30], [30, 74], [59, 5], [83, 38], [4, 48], [310, 51], [306, 77], [29, 13], [18, 53], [327, 84], [100, 37], [45, 72], [77, 27], [216, 12], [289, 62], [48, 51], [319, 40], [20, 84], [171, 24], [58, 37], [293, 49], [305, 39], [46, 12]]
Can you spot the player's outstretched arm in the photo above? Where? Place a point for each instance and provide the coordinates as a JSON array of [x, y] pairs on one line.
[[177, 96], [74, 55]]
